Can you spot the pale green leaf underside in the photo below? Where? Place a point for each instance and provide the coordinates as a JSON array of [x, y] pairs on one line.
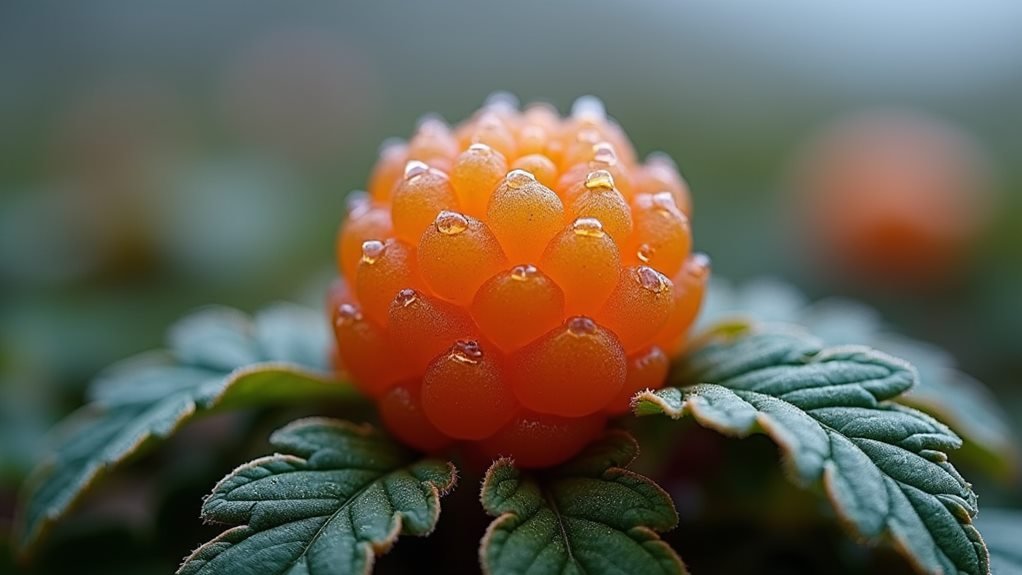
[[882, 465], [335, 496], [591, 516], [218, 358]]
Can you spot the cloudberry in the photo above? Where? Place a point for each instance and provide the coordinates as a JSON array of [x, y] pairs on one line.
[[510, 282]]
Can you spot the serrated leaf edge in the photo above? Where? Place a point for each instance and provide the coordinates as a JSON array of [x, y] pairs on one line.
[[28, 542], [376, 547]]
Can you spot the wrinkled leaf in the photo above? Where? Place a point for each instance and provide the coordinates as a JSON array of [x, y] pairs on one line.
[[335, 496], [882, 465], [218, 358], [963, 403], [591, 515]]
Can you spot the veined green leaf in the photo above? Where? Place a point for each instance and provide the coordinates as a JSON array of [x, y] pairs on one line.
[[335, 496], [590, 515], [218, 358], [882, 465]]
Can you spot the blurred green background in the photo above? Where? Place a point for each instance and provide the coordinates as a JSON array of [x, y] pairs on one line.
[[159, 156]]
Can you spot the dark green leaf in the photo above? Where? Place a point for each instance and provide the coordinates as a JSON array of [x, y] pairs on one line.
[[218, 359], [335, 496], [590, 515], [943, 391], [882, 465]]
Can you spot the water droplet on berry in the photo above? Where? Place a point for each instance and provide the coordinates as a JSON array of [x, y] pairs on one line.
[[347, 314], [431, 124], [414, 169], [603, 153], [523, 272], [519, 178], [588, 136], [480, 148], [358, 204], [645, 253], [467, 352], [372, 250], [589, 107], [699, 265], [450, 223], [600, 180], [651, 279], [406, 297], [589, 227], [580, 326], [664, 202], [505, 101]]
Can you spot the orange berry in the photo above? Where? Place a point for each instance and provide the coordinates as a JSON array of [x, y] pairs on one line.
[[660, 174], [419, 197], [638, 307], [505, 282], [423, 327], [584, 261], [365, 352], [476, 173], [516, 306], [364, 223], [573, 370], [687, 288], [662, 237], [402, 415], [457, 254], [385, 269], [388, 171], [465, 393], [524, 215], [602, 201], [647, 369], [538, 440]]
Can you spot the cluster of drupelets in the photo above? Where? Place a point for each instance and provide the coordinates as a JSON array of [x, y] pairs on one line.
[[511, 282]]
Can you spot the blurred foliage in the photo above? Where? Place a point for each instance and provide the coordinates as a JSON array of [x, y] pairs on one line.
[[158, 157]]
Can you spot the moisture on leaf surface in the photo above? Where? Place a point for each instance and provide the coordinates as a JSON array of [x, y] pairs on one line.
[[589, 515], [336, 495], [882, 465]]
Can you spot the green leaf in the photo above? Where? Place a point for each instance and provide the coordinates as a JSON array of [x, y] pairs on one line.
[[335, 496], [1002, 529], [590, 515], [218, 359], [882, 465], [963, 403]]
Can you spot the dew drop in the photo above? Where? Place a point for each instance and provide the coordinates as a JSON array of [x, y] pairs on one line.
[[358, 204], [589, 107], [603, 153], [348, 314], [523, 272], [519, 178], [645, 253], [699, 265], [406, 297], [664, 202], [372, 250], [651, 280], [580, 326], [600, 180], [450, 223], [501, 101], [480, 148], [432, 124], [414, 169], [588, 136], [466, 351], [590, 227]]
